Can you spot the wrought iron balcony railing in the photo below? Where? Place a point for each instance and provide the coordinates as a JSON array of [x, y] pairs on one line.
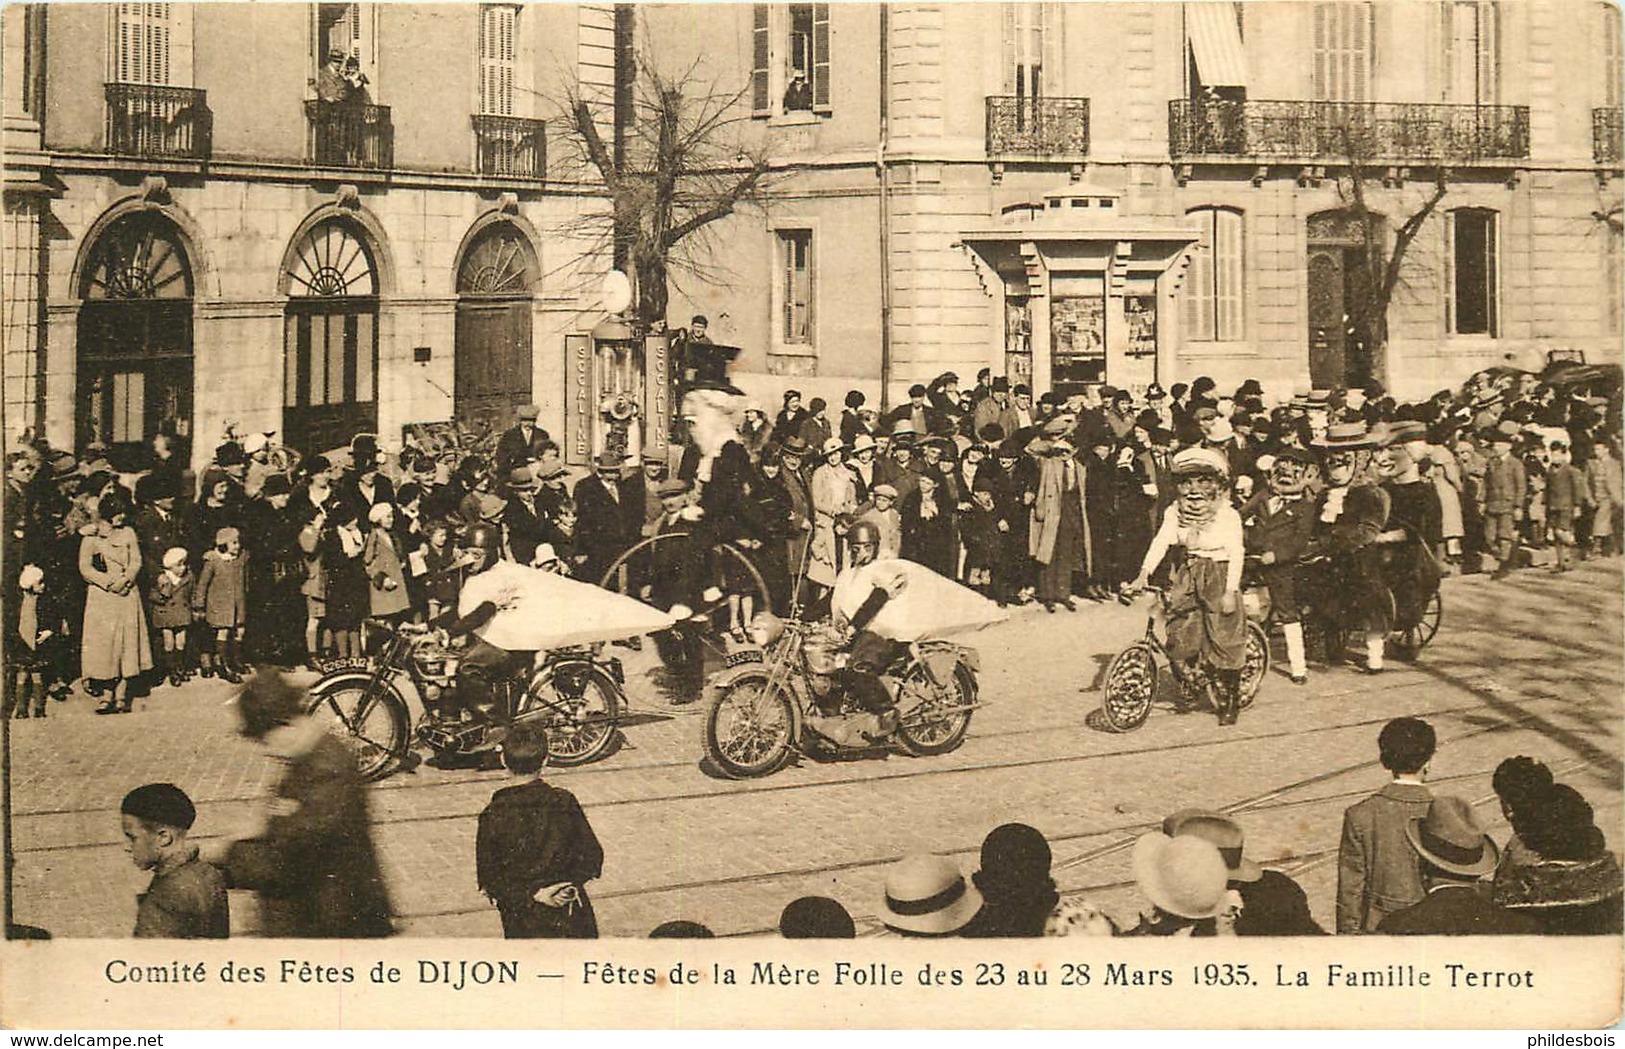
[[1037, 127], [165, 123], [350, 135], [1607, 136], [1364, 132], [510, 147]]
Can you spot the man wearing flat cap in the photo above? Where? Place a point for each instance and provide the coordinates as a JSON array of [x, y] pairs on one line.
[[523, 442], [187, 897]]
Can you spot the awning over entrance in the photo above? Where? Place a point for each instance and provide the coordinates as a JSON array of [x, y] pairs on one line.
[[1215, 38]]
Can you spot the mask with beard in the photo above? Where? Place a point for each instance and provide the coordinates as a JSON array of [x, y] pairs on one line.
[[1198, 502]]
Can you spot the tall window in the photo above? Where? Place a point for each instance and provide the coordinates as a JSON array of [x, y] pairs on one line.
[[498, 23], [790, 59], [1028, 49], [1611, 71], [796, 287], [1472, 252], [351, 29], [1213, 287], [1471, 59], [141, 44], [1342, 46]]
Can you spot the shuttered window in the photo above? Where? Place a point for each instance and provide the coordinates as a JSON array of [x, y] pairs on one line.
[[791, 66], [498, 24], [1471, 59], [761, 88], [1214, 286], [1026, 49], [141, 43], [1341, 59], [1611, 71], [796, 286]]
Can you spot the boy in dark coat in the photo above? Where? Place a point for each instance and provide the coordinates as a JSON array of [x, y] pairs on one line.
[[187, 897], [1279, 523], [535, 851]]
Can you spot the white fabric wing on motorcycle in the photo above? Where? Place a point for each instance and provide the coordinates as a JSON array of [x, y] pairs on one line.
[[927, 605], [538, 610]]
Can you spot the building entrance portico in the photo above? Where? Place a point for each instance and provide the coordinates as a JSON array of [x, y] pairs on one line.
[[1088, 295]]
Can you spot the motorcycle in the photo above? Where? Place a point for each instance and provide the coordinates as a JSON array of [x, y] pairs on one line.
[[784, 696], [576, 694]]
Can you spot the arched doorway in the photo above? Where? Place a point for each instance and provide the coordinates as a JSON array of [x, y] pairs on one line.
[[330, 340], [1339, 280], [135, 340], [495, 286]]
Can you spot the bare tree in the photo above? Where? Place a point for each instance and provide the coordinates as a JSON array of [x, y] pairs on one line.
[[687, 164], [1368, 310]]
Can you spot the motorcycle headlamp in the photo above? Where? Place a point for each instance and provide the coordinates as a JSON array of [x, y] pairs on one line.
[[765, 629]]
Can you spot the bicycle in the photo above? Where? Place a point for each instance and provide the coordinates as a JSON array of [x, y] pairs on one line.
[[1131, 679]]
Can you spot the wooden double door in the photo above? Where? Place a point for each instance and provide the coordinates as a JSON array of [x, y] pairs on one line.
[[493, 370]]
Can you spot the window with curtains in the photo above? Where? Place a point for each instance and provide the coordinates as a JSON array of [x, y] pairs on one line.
[[1472, 253], [790, 59], [1213, 286], [141, 42], [1341, 50], [796, 277], [1470, 63], [498, 28]]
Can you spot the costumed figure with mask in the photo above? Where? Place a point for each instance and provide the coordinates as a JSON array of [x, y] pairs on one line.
[[1203, 532], [1350, 593], [727, 510], [1279, 523], [1414, 529]]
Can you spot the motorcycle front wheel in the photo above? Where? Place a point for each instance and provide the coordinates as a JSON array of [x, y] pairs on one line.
[[372, 721], [749, 728], [933, 720], [578, 704]]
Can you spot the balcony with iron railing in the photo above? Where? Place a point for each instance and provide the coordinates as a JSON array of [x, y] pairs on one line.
[[350, 135], [158, 123], [1037, 128], [1347, 132], [1607, 136], [510, 147]]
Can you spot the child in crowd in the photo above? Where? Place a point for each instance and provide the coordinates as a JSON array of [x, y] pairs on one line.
[[187, 897], [219, 600], [1607, 496], [172, 612], [27, 646]]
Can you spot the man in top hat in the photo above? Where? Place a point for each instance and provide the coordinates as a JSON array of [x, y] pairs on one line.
[[601, 532], [1349, 591], [1377, 873], [1272, 903], [524, 520], [523, 442], [1279, 522], [1455, 856]]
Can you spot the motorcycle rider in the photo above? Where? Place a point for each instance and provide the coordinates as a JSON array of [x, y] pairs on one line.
[[856, 600], [489, 588]]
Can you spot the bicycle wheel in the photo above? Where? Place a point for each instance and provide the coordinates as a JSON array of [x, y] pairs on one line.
[[578, 704], [1256, 663], [1411, 641], [1131, 682], [648, 570]]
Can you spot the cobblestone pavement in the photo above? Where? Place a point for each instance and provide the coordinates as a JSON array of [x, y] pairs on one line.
[[1529, 665]]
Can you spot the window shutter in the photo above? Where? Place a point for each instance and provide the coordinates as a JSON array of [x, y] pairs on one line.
[[1610, 55], [1227, 258], [1009, 22], [1049, 28], [820, 62], [1364, 18], [1489, 51], [1321, 54], [1492, 247], [1199, 284], [497, 24], [1450, 263], [787, 247], [760, 97]]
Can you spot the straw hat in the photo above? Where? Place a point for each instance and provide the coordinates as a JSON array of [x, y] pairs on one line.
[[928, 894], [1184, 876]]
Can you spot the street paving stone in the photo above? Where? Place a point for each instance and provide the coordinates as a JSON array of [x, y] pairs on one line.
[[1528, 665]]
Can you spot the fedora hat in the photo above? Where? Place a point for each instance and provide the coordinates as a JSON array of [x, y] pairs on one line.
[[609, 461], [1225, 834], [1448, 837], [903, 429], [928, 894], [1184, 876], [1401, 432], [521, 478], [795, 445], [1348, 434]]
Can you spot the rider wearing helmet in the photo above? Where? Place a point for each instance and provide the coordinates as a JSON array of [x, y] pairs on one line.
[[1205, 618], [856, 600], [486, 591]]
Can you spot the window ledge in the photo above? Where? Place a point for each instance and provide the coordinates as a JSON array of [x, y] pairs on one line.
[[793, 119], [794, 349], [1215, 348]]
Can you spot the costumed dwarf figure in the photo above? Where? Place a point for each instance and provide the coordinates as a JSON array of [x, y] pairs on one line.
[[1205, 618], [1414, 528], [1279, 522], [1350, 516]]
